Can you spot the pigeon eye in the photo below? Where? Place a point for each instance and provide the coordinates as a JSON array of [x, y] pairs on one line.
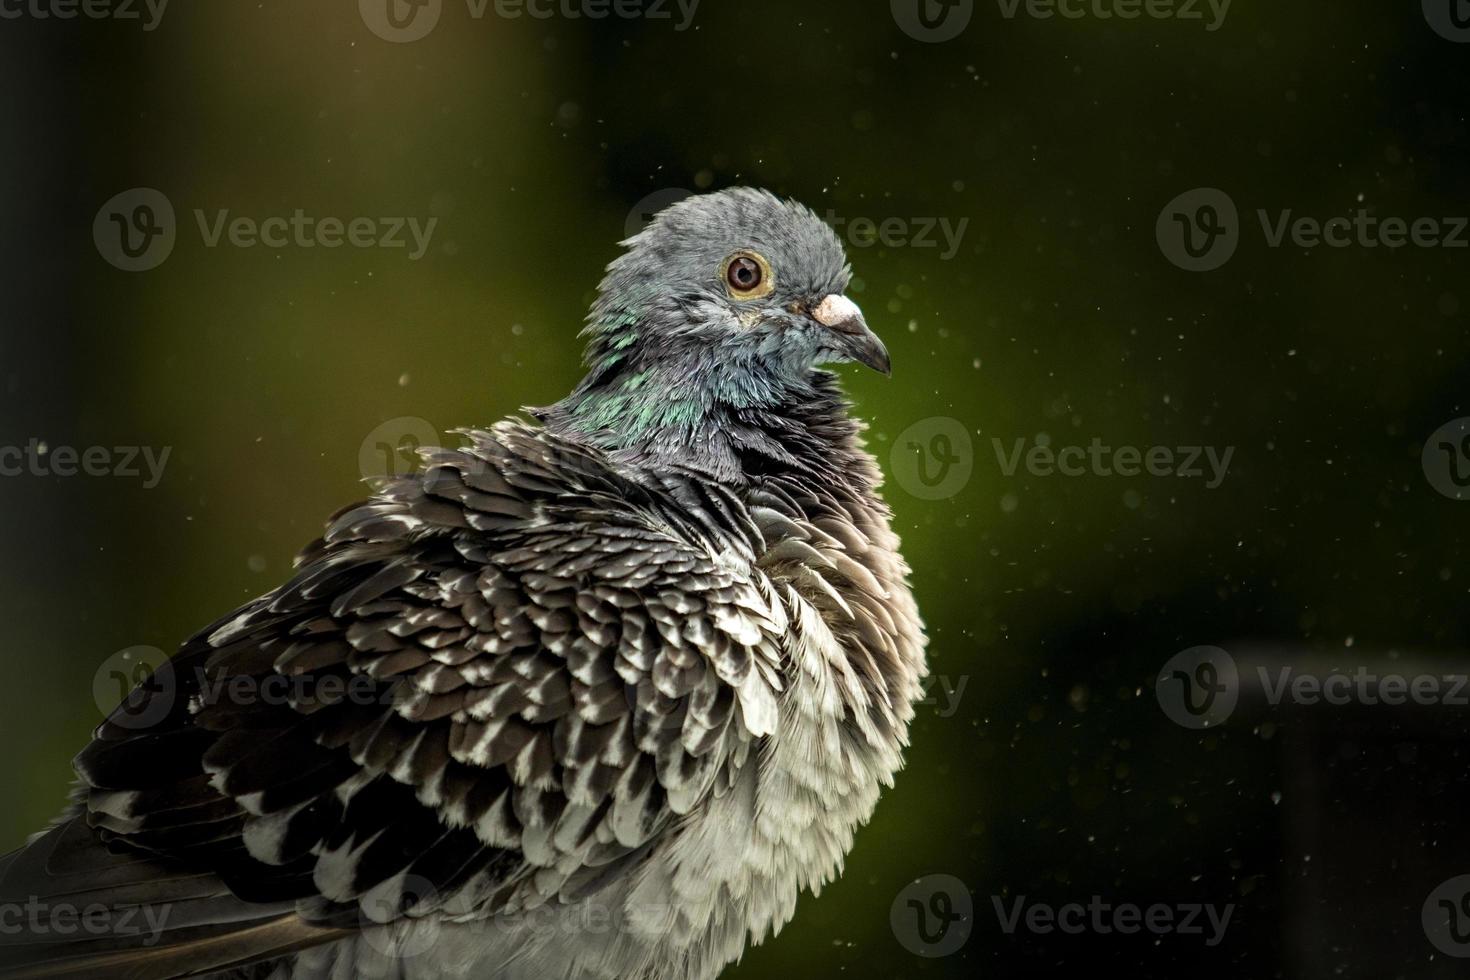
[[745, 275], [748, 276]]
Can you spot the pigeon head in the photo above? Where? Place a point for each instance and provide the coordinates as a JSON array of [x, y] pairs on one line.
[[726, 301], [739, 276]]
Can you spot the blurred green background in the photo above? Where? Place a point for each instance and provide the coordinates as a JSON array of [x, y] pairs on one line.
[[1054, 600]]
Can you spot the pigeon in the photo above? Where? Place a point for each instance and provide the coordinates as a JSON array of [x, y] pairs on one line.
[[596, 695]]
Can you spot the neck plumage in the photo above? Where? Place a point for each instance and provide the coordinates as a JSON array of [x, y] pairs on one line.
[[668, 416], [719, 412]]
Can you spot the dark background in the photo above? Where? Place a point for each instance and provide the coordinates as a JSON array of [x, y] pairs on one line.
[[1056, 599]]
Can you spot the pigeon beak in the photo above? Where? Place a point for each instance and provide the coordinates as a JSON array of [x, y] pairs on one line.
[[842, 316]]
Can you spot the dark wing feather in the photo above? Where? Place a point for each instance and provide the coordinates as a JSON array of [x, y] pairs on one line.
[[488, 687]]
